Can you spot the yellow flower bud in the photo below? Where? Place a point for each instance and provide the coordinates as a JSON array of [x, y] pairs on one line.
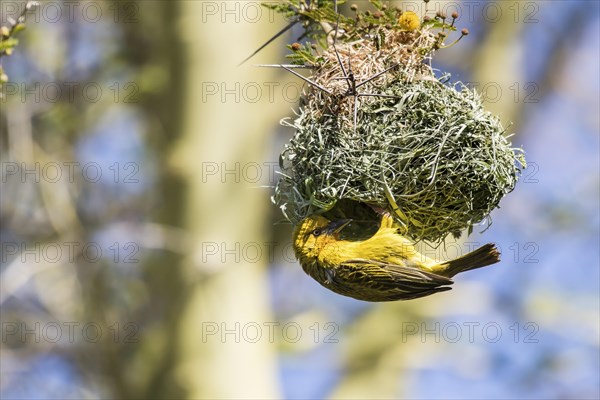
[[409, 21]]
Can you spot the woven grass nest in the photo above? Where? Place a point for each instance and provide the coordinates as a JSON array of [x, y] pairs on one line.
[[404, 141]]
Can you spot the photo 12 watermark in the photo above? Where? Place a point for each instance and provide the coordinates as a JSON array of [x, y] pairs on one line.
[[50, 252], [68, 332], [470, 332], [526, 12], [270, 251], [124, 172], [70, 11], [291, 92], [70, 92], [269, 332]]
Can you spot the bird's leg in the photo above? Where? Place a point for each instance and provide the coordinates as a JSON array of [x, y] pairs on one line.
[[387, 221], [377, 209]]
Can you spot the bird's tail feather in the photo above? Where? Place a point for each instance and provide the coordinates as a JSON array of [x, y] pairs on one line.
[[483, 256]]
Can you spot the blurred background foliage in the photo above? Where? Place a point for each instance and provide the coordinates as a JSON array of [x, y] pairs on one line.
[[153, 267]]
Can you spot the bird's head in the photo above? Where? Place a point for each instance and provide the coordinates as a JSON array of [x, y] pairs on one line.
[[313, 233]]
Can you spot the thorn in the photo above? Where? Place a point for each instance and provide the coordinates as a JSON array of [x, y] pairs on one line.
[[344, 72], [308, 80], [281, 32], [377, 75], [285, 66]]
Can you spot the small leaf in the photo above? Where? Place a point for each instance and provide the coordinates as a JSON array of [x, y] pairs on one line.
[[18, 28]]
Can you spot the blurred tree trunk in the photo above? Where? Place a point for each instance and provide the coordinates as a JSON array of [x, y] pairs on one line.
[[223, 210], [503, 44]]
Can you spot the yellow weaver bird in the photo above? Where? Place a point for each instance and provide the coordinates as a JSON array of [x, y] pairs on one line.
[[384, 267]]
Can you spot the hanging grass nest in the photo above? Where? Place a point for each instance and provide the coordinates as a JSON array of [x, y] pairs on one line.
[[376, 126]]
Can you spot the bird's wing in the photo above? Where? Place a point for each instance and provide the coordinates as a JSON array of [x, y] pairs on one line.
[[380, 281]]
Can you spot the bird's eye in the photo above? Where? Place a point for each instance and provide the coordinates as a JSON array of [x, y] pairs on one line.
[[317, 232]]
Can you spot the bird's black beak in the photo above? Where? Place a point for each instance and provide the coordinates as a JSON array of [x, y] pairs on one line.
[[336, 226]]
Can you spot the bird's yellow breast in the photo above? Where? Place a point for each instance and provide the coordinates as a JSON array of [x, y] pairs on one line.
[[385, 246]]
